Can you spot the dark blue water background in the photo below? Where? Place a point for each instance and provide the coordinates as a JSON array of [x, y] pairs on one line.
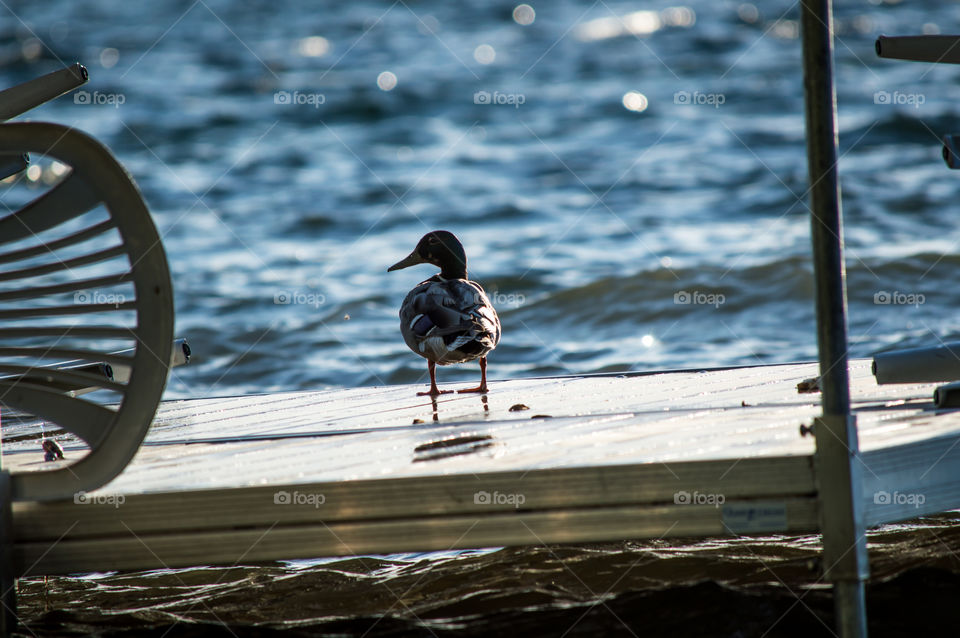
[[291, 151], [584, 218]]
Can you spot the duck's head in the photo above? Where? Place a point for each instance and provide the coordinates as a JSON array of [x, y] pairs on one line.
[[440, 248]]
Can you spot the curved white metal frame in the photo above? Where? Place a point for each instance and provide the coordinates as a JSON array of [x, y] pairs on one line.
[[95, 178]]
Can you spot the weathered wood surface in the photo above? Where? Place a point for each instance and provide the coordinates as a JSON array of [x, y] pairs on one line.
[[230, 480], [370, 432]]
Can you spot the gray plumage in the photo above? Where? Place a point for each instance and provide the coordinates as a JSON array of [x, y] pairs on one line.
[[449, 321]]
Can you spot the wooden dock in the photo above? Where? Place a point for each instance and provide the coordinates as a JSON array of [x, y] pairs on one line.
[[379, 470]]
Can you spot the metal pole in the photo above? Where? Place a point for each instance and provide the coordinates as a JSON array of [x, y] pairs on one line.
[[837, 464], [827, 226], [8, 580]]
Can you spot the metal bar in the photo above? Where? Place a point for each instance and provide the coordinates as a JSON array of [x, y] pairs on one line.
[[78, 357], [920, 48], [80, 285], [836, 463], [179, 355], [8, 576], [116, 366], [947, 396], [919, 365], [826, 221], [51, 247], [64, 379], [59, 311], [851, 606], [69, 198], [23, 97], [64, 332], [65, 264]]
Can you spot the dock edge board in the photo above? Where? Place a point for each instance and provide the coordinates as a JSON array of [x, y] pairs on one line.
[[585, 504], [914, 479], [103, 514], [109, 531], [288, 542]]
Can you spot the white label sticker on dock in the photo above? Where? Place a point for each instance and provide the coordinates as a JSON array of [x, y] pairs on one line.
[[755, 517]]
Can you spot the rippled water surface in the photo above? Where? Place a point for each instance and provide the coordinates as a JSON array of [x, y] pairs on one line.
[[724, 587], [584, 217], [602, 163]]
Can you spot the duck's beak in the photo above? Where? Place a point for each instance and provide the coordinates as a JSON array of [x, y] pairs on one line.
[[410, 260]]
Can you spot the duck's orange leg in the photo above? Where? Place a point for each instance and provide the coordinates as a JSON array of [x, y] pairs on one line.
[[434, 390], [483, 378]]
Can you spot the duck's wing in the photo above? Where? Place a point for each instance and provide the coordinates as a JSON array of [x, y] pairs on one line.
[[449, 321]]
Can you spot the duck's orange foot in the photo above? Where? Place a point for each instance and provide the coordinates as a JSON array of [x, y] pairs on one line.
[[434, 393], [481, 389]]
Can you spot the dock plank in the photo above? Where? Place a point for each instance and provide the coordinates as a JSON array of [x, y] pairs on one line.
[[605, 459], [370, 432]]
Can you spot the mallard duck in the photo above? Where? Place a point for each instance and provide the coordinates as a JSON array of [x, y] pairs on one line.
[[51, 450], [447, 318]]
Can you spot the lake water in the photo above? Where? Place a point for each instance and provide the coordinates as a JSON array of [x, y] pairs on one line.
[[603, 163]]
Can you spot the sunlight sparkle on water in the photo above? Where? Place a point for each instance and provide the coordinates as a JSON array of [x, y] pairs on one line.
[[635, 101], [484, 54], [313, 47], [637, 23], [109, 58], [387, 81], [524, 14], [678, 16]]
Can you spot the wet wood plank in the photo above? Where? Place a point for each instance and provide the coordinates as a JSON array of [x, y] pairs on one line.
[[371, 432], [606, 458]]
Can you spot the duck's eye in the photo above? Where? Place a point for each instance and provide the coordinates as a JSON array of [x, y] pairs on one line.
[[433, 240]]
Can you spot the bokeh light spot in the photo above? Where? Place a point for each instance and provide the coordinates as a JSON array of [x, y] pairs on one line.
[[635, 101], [387, 81], [313, 47], [524, 14], [109, 58], [484, 54]]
